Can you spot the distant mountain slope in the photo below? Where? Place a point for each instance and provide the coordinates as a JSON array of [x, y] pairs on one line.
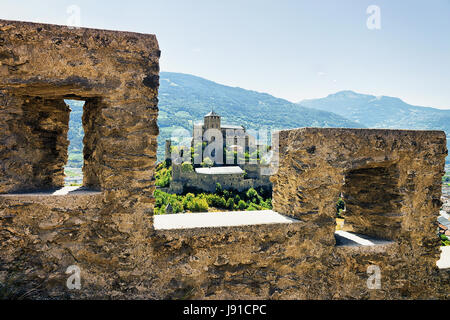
[[185, 99], [75, 134], [382, 112]]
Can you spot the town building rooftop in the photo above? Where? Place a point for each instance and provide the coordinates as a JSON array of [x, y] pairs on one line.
[[220, 170]]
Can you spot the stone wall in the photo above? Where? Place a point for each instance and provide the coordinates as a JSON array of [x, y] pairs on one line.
[[391, 182], [34, 142], [389, 178], [117, 74], [108, 232], [182, 181]]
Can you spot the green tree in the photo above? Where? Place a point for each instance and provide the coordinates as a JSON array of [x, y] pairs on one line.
[[230, 203], [198, 205], [445, 241], [253, 196], [215, 200], [163, 177], [207, 163], [242, 205], [253, 207], [187, 167], [269, 203], [340, 207], [219, 189], [177, 206]]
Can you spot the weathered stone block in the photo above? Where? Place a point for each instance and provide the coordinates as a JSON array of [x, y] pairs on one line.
[[116, 73]]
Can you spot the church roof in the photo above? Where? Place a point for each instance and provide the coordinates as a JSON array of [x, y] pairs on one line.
[[212, 114], [229, 126], [220, 170], [445, 222]]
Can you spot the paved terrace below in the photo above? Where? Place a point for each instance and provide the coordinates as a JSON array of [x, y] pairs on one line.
[[68, 198], [219, 219], [252, 218], [249, 218], [73, 191]]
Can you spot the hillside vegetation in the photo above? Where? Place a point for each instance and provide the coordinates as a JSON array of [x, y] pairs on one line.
[[75, 134]]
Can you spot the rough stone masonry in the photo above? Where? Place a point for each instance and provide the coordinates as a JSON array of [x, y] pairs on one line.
[[117, 74], [390, 180]]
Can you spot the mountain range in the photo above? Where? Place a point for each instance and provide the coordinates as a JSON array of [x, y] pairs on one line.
[[381, 112], [184, 99]]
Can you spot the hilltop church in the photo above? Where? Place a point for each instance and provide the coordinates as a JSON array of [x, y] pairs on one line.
[[234, 137], [238, 176]]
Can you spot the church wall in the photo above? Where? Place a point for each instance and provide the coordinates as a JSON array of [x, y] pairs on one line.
[[182, 180]]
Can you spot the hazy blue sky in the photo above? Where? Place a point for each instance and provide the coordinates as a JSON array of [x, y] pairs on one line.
[[291, 49]]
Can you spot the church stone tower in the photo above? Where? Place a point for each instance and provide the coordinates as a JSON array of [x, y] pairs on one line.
[[168, 154], [212, 121]]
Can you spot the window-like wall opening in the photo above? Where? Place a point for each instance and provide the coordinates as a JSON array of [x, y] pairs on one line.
[[40, 134], [373, 200], [42, 155], [340, 212], [74, 166], [443, 229]]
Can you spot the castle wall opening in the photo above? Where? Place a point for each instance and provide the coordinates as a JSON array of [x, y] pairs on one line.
[[117, 75], [372, 194], [74, 166], [36, 148]]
